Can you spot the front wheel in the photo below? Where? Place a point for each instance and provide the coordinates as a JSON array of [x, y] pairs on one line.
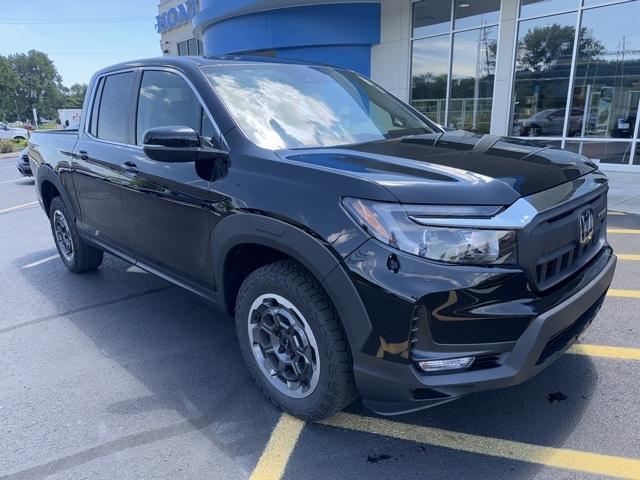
[[74, 251], [292, 340]]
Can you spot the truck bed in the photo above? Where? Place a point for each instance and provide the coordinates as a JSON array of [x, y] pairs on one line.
[[52, 147]]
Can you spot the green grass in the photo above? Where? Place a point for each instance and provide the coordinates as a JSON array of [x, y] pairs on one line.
[[48, 126], [8, 146], [19, 144]]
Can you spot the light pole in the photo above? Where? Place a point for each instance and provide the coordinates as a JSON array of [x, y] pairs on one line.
[[15, 102]]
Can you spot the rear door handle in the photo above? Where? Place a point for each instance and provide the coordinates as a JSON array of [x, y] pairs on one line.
[[130, 167], [82, 155]]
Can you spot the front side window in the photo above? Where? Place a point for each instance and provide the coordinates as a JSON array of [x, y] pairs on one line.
[[114, 107], [166, 99], [297, 106]]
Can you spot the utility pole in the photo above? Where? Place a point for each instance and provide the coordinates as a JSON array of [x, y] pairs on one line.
[[15, 102]]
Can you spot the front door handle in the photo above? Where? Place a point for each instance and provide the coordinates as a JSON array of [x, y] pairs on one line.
[[82, 155], [130, 167]]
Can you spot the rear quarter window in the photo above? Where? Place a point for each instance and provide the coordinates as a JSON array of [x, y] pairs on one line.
[[114, 107]]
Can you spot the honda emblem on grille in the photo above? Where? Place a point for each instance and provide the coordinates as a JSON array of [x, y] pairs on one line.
[[585, 225]]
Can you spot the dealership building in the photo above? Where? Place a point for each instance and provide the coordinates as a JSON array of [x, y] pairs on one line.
[[566, 72]]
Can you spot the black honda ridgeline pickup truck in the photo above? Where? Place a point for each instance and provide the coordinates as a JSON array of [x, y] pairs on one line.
[[363, 250]]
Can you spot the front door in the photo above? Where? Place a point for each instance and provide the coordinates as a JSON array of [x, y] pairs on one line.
[[97, 156], [167, 203]]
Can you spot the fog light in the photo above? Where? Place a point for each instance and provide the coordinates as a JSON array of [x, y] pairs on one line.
[[448, 364]]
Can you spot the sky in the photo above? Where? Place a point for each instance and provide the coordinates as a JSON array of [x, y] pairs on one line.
[[80, 36]]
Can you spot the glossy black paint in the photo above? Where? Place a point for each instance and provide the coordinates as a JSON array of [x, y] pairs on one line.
[[190, 220]]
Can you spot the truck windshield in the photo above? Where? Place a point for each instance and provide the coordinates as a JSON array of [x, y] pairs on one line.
[[279, 106]]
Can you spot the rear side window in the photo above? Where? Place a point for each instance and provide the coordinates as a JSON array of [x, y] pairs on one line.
[[93, 122], [114, 107], [166, 99]]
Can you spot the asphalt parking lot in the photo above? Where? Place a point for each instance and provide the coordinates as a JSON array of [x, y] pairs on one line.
[[117, 374]]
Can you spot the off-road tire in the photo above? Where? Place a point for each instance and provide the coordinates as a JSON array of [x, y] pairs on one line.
[[84, 257], [335, 388]]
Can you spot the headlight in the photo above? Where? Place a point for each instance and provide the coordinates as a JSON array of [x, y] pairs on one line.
[[391, 224]]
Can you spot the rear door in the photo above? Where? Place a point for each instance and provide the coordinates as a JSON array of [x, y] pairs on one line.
[[97, 176], [167, 203]]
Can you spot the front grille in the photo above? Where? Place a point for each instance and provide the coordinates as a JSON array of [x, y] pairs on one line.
[[550, 249], [561, 263]]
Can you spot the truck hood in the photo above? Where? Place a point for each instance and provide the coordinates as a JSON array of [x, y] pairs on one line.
[[452, 168]]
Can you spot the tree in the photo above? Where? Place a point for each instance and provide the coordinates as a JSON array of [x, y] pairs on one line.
[[39, 84], [74, 96], [542, 48], [8, 85]]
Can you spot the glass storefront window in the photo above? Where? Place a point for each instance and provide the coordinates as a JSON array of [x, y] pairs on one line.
[[431, 17], [607, 81], [472, 74], [534, 8], [182, 48], [590, 3], [605, 152], [193, 46], [541, 82], [470, 14], [429, 67]]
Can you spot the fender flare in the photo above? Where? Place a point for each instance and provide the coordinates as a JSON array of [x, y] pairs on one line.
[[247, 228], [46, 174]]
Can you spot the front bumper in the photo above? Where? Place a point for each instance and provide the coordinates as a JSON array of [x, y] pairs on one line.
[[386, 373], [24, 168]]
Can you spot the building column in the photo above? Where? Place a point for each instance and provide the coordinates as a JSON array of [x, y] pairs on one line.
[[391, 58], [501, 107]]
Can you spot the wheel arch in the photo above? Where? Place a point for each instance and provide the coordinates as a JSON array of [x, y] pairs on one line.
[[50, 186], [279, 239]]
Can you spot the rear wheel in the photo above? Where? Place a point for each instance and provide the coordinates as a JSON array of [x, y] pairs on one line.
[[75, 253], [293, 342]]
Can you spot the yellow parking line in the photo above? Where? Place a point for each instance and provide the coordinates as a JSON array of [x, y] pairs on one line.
[[612, 466], [24, 205], [621, 353], [630, 231], [623, 293], [275, 456], [627, 256], [615, 213]]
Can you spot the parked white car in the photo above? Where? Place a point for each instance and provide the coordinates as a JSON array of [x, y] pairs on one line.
[[12, 133]]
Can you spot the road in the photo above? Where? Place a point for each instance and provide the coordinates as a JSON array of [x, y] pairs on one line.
[[116, 374]]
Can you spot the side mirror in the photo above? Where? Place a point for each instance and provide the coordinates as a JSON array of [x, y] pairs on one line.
[[178, 144]]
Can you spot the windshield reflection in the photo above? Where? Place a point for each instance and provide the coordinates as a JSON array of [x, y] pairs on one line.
[[296, 106]]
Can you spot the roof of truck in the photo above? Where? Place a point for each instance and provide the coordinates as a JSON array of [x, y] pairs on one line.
[[193, 61]]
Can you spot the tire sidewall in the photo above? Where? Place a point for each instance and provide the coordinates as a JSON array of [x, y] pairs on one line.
[[261, 285], [57, 204]]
